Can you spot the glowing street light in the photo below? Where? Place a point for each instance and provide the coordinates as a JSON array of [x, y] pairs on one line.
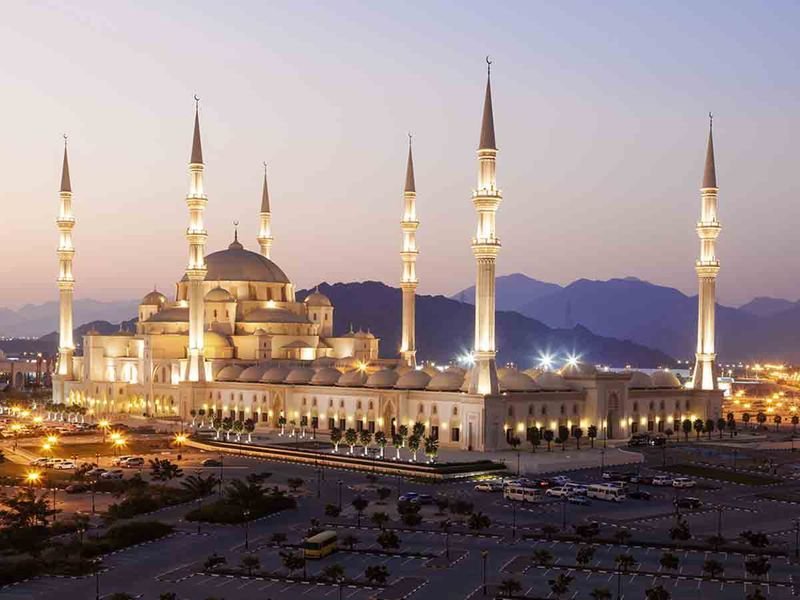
[[119, 443], [546, 361], [104, 425], [33, 477], [572, 360], [52, 439]]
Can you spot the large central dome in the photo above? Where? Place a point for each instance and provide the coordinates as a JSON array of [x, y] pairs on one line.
[[238, 264]]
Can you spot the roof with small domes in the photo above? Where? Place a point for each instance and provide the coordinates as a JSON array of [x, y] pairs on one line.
[[229, 373], [354, 378], [413, 380], [275, 375], [385, 378], [219, 294], [665, 379], [326, 376], [300, 375]]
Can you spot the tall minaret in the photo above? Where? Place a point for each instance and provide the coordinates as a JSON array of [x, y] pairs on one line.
[[408, 282], [196, 269], [707, 267], [265, 228], [66, 282], [485, 246]]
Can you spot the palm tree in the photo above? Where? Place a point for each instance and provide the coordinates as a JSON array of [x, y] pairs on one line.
[[746, 419], [669, 561], [478, 521], [200, 486], [777, 419], [245, 495], [350, 438], [282, 423], [509, 587], [350, 541], [709, 427], [376, 574], [534, 437], [713, 568], [560, 585], [250, 562], [577, 433], [336, 438], [584, 555], [397, 442], [413, 445], [686, 426], [757, 567], [542, 557], [761, 418], [380, 519], [721, 424], [333, 573], [164, 470], [795, 423], [698, 427], [600, 594], [365, 437], [418, 429], [624, 563], [216, 423], [563, 436], [431, 448], [402, 431], [548, 437], [360, 504], [657, 593], [380, 439], [293, 561], [388, 540], [249, 427], [591, 433]]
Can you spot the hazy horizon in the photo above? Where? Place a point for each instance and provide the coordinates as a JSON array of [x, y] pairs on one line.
[[601, 119]]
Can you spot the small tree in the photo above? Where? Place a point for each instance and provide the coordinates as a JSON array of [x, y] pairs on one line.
[[698, 427], [365, 437], [360, 504], [441, 504], [543, 558], [591, 433], [164, 470], [216, 423], [278, 538], [333, 573], [249, 428], [431, 448], [295, 483], [622, 536], [201, 412], [514, 442], [756, 594], [758, 567], [332, 510], [388, 540], [227, 425], [397, 441], [534, 438], [250, 562], [380, 439], [680, 532], [577, 433], [376, 574], [418, 429], [713, 568], [213, 561], [709, 427], [548, 438], [383, 494], [351, 438], [478, 521], [413, 445], [563, 436], [549, 530], [657, 593], [350, 541], [584, 555], [560, 585], [669, 561], [379, 518], [795, 423], [761, 418], [777, 419], [588, 531], [600, 594], [746, 420], [686, 426], [336, 438], [293, 561], [238, 428], [731, 425], [402, 431], [510, 586], [193, 413], [721, 424]]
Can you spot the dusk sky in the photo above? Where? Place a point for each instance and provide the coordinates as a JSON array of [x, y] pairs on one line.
[[600, 112]]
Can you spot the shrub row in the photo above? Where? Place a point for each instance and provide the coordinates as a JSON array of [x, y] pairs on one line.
[[223, 511]]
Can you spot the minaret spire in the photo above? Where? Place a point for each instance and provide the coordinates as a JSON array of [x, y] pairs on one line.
[[196, 269], [707, 267], [66, 281], [408, 254], [265, 227], [485, 247]]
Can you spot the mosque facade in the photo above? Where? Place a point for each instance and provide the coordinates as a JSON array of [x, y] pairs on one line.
[[235, 342]]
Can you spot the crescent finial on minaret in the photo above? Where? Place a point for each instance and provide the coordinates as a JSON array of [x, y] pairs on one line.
[[488, 65]]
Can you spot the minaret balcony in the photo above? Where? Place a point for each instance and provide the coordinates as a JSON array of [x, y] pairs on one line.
[[485, 248], [708, 268], [66, 221]]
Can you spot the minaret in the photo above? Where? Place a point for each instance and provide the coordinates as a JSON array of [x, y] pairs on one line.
[[66, 282], [408, 253], [196, 269], [265, 228], [707, 267], [485, 246]]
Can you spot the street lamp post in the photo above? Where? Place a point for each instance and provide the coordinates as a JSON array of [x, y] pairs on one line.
[[339, 484], [602, 460], [484, 556], [199, 520], [513, 521], [563, 513], [221, 474], [94, 489], [797, 539], [719, 520], [247, 530]]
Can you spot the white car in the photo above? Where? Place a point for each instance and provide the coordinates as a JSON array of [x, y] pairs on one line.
[[662, 480], [560, 479], [65, 464], [134, 462], [120, 460], [557, 492], [40, 462], [488, 486], [683, 482], [115, 474]]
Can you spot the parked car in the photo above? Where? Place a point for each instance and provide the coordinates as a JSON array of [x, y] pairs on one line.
[[557, 492], [133, 463], [96, 472], [211, 462], [662, 480], [560, 480], [688, 502], [576, 489], [65, 464], [119, 460], [640, 495], [616, 476], [422, 499], [683, 482], [407, 497], [40, 462], [488, 486], [579, 500], [76, 488], [114, 474], [642, 479]]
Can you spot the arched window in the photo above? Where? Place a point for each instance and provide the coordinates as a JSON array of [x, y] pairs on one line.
[[687, 404], [358, 405], [434, 410], [510, 411], [370, 404], [544, 411], [330, 402], [574, 409], [652, 405], [530, 409], [661, 405], [455, 411], [420, 409], [215, 313], [563, 409], [635, 407]]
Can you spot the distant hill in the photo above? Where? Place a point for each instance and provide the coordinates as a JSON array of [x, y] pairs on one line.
[[513, 291], [764, 306], [48, 344], [445, 329], [33, 320]]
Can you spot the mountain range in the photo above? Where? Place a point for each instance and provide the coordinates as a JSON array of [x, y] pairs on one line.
[[659, 317], [34, 320]]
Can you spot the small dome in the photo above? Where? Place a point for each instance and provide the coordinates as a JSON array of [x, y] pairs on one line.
[[326, 376], [229, 373], [552, 381], [455, 369], [219, 294], [355, 378], [533, 372], [300, 375], [275, 375], [514, 381], [503, 371], [402, 369], [431, 371], [323, 361], [446, 382], [317, 298], [413, 380], [212, 339], [640, 380], [259, 331], [385, 378], [665, 379], [154, 298], [176, 314], [252, 373], [273, 315], [578, 370], [361, 334]]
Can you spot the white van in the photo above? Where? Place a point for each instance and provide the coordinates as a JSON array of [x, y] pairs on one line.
[[522, 494], [604, 491]]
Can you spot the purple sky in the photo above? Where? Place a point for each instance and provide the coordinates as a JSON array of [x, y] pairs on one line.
[[600, 116]]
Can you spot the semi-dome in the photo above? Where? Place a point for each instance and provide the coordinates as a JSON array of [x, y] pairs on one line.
[[578, 369], [212, 339], [176, 314], [431, 371], [552, 381], [219, 294], [323, 361], [354, 378], [503, 371], [446, 382], [402, 369], [385, 378], [300, 375], [514, 381], [640, 380], [455, 369], [154, 298], [252, 373], [665, 379], [273, 315], [413, 380], [317, 298], [275, 375], [326, 376], [238, 264], [259, 331], [229, 373], [533, 372]]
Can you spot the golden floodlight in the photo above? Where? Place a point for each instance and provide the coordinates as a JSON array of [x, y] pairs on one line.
[[47, 446], [52, 439], [16, 427], [115, 435], [103, 423], [37, 419], [180, 438], [32, 477], [120, 441]]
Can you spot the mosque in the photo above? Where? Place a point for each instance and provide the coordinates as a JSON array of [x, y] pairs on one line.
[[235, 342]]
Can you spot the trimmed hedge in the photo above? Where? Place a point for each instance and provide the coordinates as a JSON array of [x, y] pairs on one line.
[[223, 511], [124, 535]]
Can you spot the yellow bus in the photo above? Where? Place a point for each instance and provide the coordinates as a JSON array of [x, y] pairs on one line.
[[320, 545]]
